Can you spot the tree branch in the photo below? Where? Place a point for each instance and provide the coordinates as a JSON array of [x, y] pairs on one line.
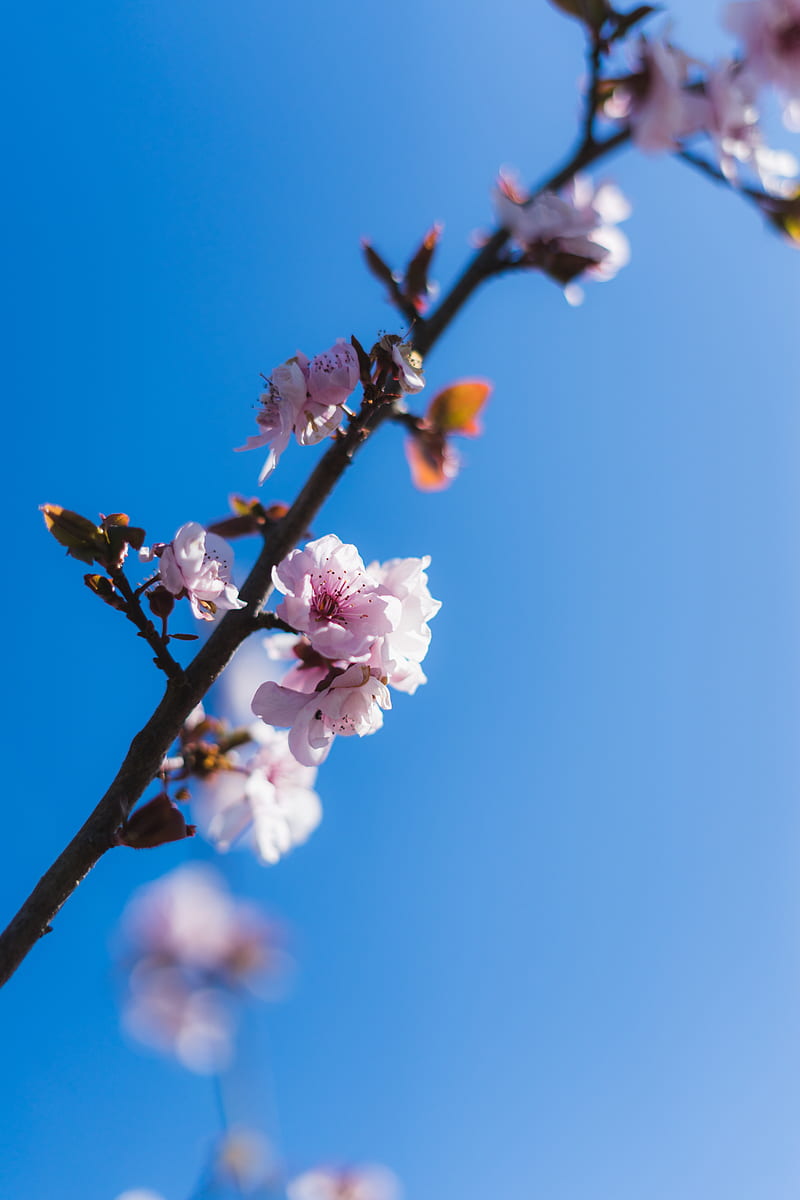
[[185, 691]]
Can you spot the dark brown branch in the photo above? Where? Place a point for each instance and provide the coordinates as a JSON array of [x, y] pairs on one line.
[[713, 172]]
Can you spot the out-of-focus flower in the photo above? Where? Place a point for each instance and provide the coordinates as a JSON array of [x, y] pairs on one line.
[[331, 598], [566, 235], [732, 123], [398, 655], [368, 1182], [350, 704], [244, 1159], [140, 1194], [654, 100], [269, 798], [305, 397], [770, 32], [190, 948], [546, 219], [197, 565]]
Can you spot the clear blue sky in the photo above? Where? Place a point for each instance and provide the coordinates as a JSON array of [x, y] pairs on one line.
[[548, 934]]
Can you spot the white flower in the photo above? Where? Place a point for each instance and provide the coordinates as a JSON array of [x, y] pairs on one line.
[[270, 798]]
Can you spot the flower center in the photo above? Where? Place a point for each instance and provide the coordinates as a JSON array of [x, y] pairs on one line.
[[325, 606]]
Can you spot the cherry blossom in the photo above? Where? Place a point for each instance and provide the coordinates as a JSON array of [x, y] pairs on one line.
[[140, 1194], [269, 798], [770, 31], [333, 599], [280, 410], [190, 947], [732, 123], [654, 100], [544, 219], [409, 363], [400, 652], [567, 234], [197, 564], [333, 375], [350, 704], [368, 1182], [305, 397]]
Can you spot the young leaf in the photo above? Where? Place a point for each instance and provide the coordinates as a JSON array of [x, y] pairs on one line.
[[455, 409]]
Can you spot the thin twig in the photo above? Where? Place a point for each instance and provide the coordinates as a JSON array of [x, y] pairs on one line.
[[135, 613], [713, 172], [268, 620]]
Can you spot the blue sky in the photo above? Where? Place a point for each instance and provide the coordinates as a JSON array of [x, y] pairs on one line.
[[548, 933]]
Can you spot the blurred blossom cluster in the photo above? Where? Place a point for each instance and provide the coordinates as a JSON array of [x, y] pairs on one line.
[[190, 952], [368, 1182], [265, 799], [243, 1164]]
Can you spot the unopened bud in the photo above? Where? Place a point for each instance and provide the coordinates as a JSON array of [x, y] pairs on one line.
[[161, 601], [154, 824]]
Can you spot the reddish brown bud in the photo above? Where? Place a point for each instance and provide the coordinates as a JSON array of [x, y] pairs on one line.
[[104, 588], [161, 601], [415, 285], [154, 824]]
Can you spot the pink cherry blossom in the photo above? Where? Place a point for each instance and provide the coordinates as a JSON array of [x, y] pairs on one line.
[[350, 704], [654, 101], [172, 1014], [732, 123], [770, 31], [308, 667], [140, 1194], [546, 218], [580, 222], [198, 565], [400, 652], [305, 397], [333, 375], [368, 1182], [189, 948], [269, 798], [332, 598], [280, 410]]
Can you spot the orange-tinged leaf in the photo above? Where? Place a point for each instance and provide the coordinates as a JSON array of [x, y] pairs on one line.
[[434, 464], [455, 409]]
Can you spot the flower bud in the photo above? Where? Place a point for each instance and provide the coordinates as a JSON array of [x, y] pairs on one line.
[[154, 824]]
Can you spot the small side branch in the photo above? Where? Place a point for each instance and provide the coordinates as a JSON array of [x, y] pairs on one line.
[[135, 613]]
